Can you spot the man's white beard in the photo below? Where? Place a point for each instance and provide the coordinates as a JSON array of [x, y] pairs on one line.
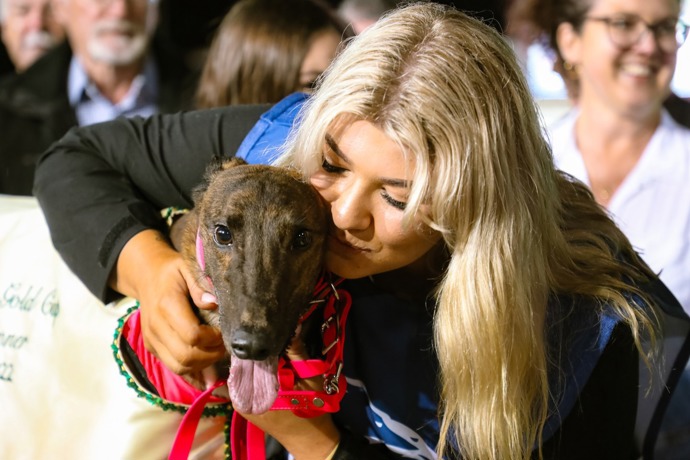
[[117, 42], [33, 45], [39, 39]]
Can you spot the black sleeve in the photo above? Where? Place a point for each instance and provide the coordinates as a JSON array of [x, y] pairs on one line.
[[100, 185], [602, 423]]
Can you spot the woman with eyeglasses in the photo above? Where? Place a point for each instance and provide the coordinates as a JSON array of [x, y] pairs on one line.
[[618, 58]]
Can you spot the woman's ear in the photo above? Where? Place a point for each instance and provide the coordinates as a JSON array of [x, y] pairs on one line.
[[569, 43]]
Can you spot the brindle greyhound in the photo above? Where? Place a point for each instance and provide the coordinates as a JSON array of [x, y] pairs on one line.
[[256, 239]]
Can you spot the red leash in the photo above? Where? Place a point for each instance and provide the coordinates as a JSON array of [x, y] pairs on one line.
[[184, 438], [246, 439]]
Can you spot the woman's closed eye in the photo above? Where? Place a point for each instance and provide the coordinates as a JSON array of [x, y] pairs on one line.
[[330, 167], [401, 205]]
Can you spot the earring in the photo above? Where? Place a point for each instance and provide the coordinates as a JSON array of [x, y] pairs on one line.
[[568, 66]]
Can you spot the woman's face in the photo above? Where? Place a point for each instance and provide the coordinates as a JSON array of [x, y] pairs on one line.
[[633, 79], [322, 50], [366, 180]]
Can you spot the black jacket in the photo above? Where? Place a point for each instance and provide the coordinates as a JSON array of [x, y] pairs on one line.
[[35, 111]]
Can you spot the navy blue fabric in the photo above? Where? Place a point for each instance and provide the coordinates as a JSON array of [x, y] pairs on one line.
[[262, 144], [391, 371], [581, 352]]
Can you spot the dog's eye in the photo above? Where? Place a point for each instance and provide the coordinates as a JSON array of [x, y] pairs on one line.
[[302, 240], [222, 235]]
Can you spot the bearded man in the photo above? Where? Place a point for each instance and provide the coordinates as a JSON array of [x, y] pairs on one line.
[[109, 66], [28, 29]]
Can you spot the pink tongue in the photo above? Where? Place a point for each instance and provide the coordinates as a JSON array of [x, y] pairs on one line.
[[253, 385]]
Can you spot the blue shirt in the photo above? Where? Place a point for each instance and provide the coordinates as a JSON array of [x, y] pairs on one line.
[[91, 106]]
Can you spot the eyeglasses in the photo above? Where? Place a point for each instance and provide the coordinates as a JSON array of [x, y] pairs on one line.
[[626, 30]]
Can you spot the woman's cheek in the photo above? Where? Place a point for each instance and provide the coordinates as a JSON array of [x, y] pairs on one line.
[[321, 182]]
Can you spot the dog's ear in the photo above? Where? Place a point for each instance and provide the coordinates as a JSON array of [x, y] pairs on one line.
[[227, 163], [216, 165]]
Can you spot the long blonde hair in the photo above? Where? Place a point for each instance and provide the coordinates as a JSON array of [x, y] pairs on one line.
[[450, 92]]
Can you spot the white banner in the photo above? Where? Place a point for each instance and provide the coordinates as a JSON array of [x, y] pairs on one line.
[[61, 391]]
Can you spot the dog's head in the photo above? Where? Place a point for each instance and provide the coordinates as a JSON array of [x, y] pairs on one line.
[[263, 232]]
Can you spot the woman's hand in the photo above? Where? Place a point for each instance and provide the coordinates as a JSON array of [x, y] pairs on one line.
[[150, 270], [305, 438]]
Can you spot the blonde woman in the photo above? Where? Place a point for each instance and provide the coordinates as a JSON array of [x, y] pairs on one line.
[[497, 312]]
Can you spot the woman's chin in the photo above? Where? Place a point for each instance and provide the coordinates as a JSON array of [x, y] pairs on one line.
[[346, 268]]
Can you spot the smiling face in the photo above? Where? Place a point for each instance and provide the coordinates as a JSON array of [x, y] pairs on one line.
[[632, 80], [366, 180], [115, 32]]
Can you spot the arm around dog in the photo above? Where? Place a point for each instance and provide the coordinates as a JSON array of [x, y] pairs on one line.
[[100, 185]]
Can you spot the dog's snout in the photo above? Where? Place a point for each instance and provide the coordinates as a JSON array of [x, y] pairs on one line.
[[246, 345]]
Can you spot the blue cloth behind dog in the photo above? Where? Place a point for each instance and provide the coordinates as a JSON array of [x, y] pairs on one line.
[[263, 143]]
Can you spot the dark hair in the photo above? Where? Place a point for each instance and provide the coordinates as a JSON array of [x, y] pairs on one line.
[[533, 19], [258, 50], [538, 20]]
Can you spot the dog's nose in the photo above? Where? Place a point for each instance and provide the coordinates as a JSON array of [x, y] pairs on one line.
[[246, 345]]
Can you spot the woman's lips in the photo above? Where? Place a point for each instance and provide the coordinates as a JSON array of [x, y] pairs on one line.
[[350, 247]]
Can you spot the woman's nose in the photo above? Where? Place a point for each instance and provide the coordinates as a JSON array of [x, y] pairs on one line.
[[647, 42], [350, 210]]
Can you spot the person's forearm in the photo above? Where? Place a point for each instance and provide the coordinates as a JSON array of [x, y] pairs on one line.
[[318, 444], [334, 445], [352, 447], [85, 185], [144, 253]]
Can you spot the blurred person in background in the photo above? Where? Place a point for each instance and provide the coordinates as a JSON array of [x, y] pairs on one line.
[[360, 14], [266, 49], [618, 58], [106, 68], [28, 29], [536, 49]]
